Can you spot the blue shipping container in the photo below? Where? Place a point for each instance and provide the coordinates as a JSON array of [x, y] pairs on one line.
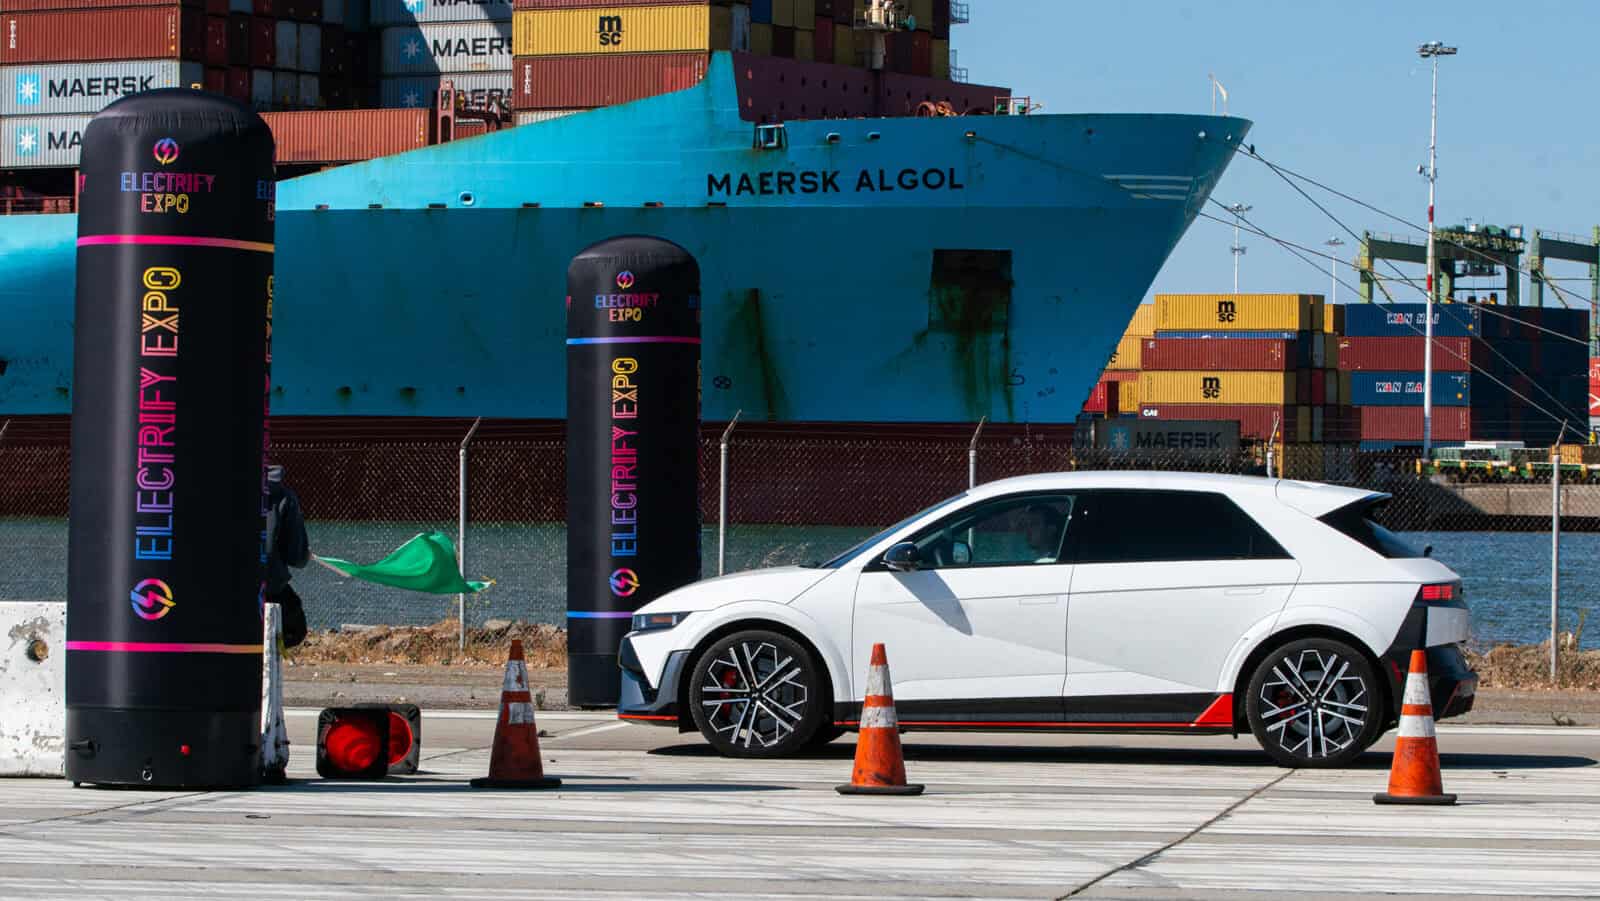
[[1401, 320], [1404, 389], [761, 11]]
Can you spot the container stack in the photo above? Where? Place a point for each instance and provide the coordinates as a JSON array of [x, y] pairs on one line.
[[1494, 367], [65, 60], [423, 43], [1117, 392]]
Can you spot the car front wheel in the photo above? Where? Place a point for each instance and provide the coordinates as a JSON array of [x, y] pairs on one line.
[[1315, 702], [757, 694]]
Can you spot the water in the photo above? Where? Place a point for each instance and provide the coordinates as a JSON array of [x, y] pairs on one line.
[[1506, 574]]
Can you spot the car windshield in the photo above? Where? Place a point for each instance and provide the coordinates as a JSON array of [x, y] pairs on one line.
[[1355, 521], [860, 547]]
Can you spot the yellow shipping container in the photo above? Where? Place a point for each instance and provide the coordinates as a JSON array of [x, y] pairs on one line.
[[922, 11], [1128, 395], [844, 45], [1242, 312], [1187, 387], [1344, 385], [1333, 318], [805, 45], [760, 39], [1126, 356], [783, 13], [941, 58], [622, 29], [805, 15], [1143, 324]]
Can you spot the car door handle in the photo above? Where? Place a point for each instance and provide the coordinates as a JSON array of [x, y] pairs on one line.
[[1038, 600], [1244, 590]]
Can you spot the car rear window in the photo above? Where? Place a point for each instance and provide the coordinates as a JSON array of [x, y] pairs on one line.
[[1356, 522]]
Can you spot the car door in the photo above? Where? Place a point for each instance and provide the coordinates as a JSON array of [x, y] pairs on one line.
[[1165, 583], [978, 630]]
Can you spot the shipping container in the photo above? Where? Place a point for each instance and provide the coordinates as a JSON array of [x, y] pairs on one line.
[[1333, 319], [1396, 354], [822, 40], [334, 136], [421, 91], [461, 47], [103, 34], [825, 8], [1143, 323], [1126, 355], [805, 46], [263, 43], [216, 47], [310, 92], [783, 13], [844, 45], [1137, 434], [760, 37], [941, 58], [1450, 320], [41, 141], [921, 54], [239, 85], [1405, 423], [18, 6], [805, 14], [760, 11], [783, 41], [1257, 422], [1217, 387], [238, 48], [86, 87], [1163, 353], [382, 13], [572, 82], [1371, 389], [332, 12], [1120, 375], [1102, 399], [267, 8], [261, 88], [285, 89], [309, 49], [533, 117], [1244, 312], [286, 44], [620, 29], [921, 14], [335, 57], [1319, 394]]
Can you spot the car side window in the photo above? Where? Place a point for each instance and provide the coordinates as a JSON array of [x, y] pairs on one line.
[[1133, 526], [1011, 531]]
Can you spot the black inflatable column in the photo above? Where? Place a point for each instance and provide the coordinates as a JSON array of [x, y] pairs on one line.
[[633, 423], [175, 231]]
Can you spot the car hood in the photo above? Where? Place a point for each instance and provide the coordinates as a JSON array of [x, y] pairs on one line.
[[779, 585]]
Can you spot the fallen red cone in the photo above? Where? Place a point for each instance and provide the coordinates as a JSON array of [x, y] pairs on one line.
[[880, 767], [514, 762]]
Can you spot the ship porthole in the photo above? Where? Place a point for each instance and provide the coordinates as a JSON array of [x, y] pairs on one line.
[[467, 199]]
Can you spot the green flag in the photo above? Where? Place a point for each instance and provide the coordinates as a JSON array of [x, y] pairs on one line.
[[425, 563]]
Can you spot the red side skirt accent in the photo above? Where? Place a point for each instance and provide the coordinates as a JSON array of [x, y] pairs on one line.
[[1220, 713]]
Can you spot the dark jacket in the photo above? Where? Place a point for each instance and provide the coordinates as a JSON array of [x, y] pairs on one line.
[[287, 543]]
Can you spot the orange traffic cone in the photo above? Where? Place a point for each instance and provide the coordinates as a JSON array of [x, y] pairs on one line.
[[880, 764], [1415, 778], [514, 761]]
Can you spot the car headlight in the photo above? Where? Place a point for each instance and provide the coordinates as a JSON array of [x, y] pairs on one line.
[[652, 622]]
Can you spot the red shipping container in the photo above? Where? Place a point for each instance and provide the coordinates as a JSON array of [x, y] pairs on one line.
[[783, 42], [217, 79], [216, 41], [1256, 421], [1405, 423], [111, 34], [1259, 354], [1404, 354], [1120, 375], [823, 42], [921, 53], [1103, 399], [335, 136], [577, 82], [239, 84], [1319, 387], [213, 7], [263, 42], [238, 40], [18, 6], [470, 128], [825, 10], [268, 8]]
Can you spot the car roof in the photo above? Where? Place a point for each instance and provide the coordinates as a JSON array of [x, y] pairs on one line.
[[1311, 498]]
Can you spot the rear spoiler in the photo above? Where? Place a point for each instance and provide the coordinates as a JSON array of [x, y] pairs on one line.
[[1317, 500]]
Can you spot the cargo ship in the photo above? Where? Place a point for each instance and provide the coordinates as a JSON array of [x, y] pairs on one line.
[[869, 254]]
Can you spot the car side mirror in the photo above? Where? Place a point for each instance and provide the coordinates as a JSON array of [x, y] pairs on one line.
[[1427, 550], [902, 558]]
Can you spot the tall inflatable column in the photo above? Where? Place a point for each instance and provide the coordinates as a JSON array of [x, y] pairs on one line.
[[165, 553], [633, 436]]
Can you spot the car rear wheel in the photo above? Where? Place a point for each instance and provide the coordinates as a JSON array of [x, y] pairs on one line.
[[1315, 702], [757, 694]]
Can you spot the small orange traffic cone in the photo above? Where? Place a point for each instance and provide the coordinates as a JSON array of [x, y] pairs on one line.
[[880, 764], [1414, 777], [514, 761]]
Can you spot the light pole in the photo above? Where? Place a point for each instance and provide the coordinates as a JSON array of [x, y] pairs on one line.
[[1238, 249], [1431, 51], [1333, 244]]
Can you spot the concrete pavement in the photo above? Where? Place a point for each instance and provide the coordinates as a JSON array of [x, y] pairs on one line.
[[645, 813]]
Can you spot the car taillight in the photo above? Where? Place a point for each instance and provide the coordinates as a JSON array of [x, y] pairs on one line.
[[1439, 592]]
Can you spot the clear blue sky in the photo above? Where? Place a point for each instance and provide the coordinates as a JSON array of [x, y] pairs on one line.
[[1337, 92]]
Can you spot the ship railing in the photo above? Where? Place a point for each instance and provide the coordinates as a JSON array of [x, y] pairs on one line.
[[13, 206], [960, 12]]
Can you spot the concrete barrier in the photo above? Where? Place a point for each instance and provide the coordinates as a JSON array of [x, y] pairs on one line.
[[33, 679]]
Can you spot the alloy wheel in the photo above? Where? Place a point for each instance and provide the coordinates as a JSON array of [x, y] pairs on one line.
[[753, 694], [1314, 703]]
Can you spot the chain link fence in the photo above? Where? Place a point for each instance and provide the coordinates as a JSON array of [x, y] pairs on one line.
[[799, 494]]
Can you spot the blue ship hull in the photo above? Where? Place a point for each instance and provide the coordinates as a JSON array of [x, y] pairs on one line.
[[432, 283]]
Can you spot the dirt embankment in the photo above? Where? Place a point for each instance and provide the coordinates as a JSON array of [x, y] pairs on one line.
[[1515, 667]]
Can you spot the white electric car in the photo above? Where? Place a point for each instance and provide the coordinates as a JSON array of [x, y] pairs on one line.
[[1092, 601]]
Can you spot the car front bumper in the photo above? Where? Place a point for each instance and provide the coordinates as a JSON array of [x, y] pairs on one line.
[[638, 702]]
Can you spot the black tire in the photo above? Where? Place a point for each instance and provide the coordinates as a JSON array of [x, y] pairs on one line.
[[788, 695], [1315, 703]]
